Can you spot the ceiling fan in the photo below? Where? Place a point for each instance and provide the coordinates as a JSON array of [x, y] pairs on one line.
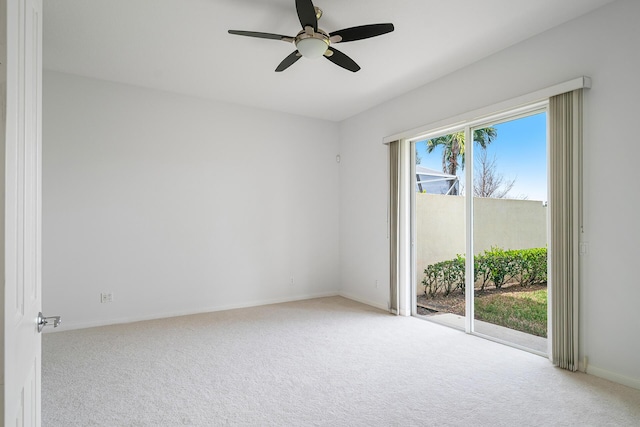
[[313, 42]]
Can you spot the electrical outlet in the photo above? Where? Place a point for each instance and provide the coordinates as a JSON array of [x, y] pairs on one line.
[[292, 282], [106, 297], [376, 284]]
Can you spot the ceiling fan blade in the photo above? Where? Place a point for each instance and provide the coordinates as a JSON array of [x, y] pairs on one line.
[[307, 14], [288, 61], [261, 35], [342, 60], [361, 32]]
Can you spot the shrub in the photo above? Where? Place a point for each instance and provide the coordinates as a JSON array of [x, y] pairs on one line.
[[444, 277], [495, 266], [430, 282], [481, 272], [499, 266], [532, 266]]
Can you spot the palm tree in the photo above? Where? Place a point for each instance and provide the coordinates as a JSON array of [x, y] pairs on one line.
[[454, 147]]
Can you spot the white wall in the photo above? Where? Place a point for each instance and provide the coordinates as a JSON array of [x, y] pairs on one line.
[[602, 45], [180, 205]]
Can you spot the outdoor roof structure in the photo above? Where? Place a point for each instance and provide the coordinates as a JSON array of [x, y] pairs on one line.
[[432, 181]]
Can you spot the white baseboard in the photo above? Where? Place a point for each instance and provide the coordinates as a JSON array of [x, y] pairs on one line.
[[612, 376], [364, 301], [68, 326]]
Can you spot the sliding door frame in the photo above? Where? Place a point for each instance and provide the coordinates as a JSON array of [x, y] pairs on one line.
[[412, 217], [468, 127], [525, 111]]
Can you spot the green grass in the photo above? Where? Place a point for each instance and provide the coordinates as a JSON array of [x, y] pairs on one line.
[[522, 311]]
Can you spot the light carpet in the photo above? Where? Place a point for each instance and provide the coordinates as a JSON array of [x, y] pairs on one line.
[[327, 361]]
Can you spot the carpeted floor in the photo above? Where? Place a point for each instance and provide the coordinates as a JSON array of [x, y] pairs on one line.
[[328, 361]]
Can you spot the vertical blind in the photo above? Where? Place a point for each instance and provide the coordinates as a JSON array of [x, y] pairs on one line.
[[565, 130], [394, 225]]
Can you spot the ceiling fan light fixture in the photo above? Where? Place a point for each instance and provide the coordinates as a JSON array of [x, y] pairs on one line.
[[313, 42], [312, 47]]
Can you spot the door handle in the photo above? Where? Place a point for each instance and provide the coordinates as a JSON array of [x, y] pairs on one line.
[[44, 321]]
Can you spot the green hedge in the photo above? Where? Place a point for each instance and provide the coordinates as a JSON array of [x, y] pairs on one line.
[[493, 267], [444, 277]]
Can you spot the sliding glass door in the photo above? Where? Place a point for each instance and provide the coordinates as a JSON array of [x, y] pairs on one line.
[[439, 225], [480, 227], [510, 228]]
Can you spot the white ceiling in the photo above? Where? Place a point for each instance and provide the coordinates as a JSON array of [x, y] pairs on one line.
[[183, 46]]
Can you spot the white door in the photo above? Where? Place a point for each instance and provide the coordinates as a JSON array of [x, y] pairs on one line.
[[22, 239]]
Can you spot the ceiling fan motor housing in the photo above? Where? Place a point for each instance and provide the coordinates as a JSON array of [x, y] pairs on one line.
[[312, 45]]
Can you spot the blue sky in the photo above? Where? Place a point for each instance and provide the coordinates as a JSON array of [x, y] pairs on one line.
[[520, 152]]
